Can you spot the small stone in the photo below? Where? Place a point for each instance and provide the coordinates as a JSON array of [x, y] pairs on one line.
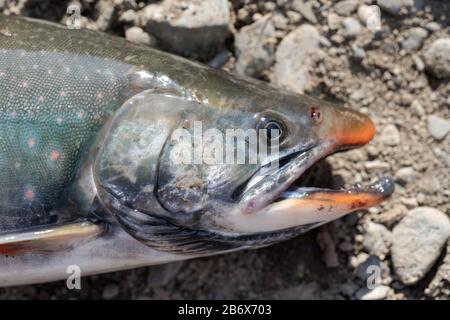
[[392, 216], [110, 291], [399, 7], [390, 135], [405, 175], [376, 165], [305, 10], [358, 52], [442, 155], [438, 127], [377, 239], [346, 7], [295, 57], [418, 62], [437, 58], [409, 202], [417, 242], [414, 39], [378, 293], [255, 47], [433, 26], [352, 27], [137, 35], [417, 108], [128, 17], [366, 269], [334, 21], [107, 16]]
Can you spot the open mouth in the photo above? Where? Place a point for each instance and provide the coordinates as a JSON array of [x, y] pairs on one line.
[[273, 201]]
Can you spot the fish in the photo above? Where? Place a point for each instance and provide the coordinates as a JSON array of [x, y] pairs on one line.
[[115, 155]]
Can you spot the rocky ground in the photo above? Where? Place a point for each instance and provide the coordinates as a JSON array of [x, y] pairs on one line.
[[397, 72]]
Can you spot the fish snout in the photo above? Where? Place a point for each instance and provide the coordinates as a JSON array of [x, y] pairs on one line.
[[349, 128]]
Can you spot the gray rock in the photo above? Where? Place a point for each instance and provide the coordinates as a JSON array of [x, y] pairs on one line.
[[294, 57], [346, 7], [220, 59], [392, 216], [365, 269], [378, 293], [377, 239], [351, 27], [189, 27], [442, 155], [437, 58], [137, 35], [399, 7], [420, 65], [161, 275], [305, 9], [433, 26], [414, 39], [255, 47], [438, 127], [358, 52], [110, 291], [390, 135], [405, 175], [417, 242]]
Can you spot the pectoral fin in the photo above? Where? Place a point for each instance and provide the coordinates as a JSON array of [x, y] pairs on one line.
[[48, 238]]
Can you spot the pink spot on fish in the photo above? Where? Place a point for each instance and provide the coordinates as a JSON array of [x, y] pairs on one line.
[[31, 142], [54, 155], [29, 195]]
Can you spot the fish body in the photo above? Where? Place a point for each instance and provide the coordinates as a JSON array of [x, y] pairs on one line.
[[88, 174]]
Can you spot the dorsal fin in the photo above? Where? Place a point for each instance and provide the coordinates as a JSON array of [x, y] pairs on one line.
[[48, 238]]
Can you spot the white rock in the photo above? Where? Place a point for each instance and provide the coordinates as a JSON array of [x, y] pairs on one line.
[[390, 135], [378, 293], [346, 7], [352, 27], [398, 7], [294, 57], [417, 242], [255, 47], [405, 175], [137, 35], [438, 127], [414, 39], [437, 58]]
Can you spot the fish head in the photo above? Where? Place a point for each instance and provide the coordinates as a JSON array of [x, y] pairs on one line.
[[204, 176]]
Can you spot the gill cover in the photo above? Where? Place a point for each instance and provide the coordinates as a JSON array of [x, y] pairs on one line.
[[157, 199]]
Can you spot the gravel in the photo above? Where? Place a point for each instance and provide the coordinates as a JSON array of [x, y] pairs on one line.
[[377, 239]]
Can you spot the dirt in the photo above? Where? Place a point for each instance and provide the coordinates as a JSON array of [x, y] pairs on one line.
[[390, 85]]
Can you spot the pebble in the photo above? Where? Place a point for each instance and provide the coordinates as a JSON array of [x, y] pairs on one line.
[[189, 28], [376, 165], [442, 155], [417, 108], [390, 135], [358, 52], [295, 56], [110, 291], [380, 292], [377, 239], [399, 7], [433, 26], [409, 202], [405, 175], [392, 216], [334, 21], [346, 7], [255, 47], [437, 58], [107, 16], [351, 27], [438, 127], [137, 35], [418, 63], [414, 39], [305, 9], [417, 242]]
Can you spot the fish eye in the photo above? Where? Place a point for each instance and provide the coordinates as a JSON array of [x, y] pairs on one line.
[[273, 130], [315, 114]]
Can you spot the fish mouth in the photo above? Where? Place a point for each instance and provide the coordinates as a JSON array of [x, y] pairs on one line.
[[272, 200]]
